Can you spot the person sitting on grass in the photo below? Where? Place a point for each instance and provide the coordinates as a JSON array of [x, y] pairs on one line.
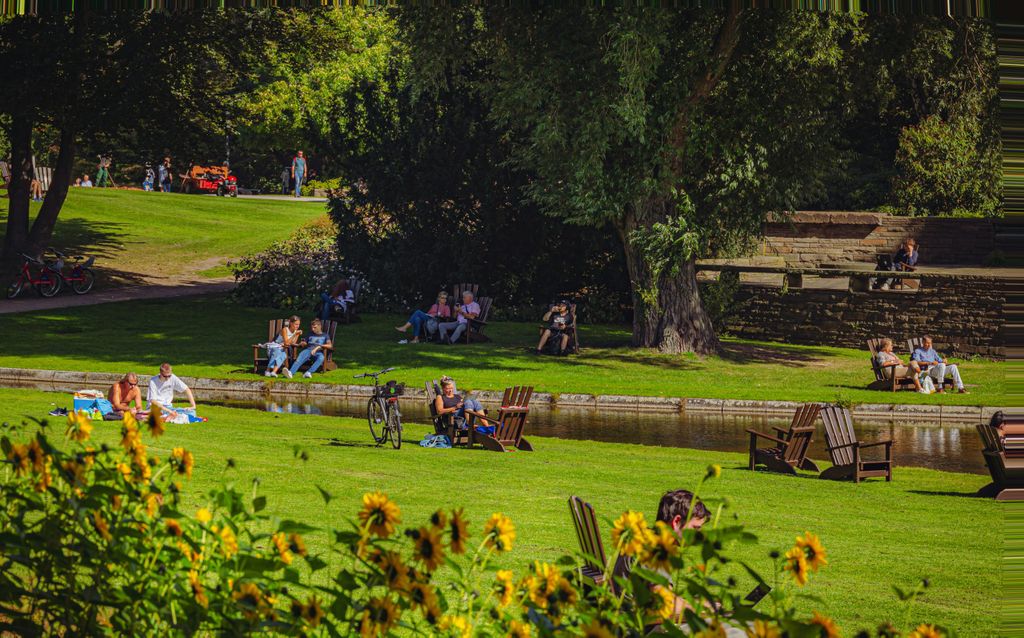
[[469, 309], [893, 365], [558, 315], [337, 300], [938, 367], [425, 323], [125, 396], [277, 350], [316, 346], [162, 388], [462, 410]]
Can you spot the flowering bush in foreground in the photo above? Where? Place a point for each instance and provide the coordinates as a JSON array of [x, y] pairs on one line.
[[93, 541]]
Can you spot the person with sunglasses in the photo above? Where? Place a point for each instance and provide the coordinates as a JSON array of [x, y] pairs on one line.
[[125, 396], [162, 388]]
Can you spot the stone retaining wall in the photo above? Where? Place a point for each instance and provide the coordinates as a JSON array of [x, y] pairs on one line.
[[811, 239], [963, 314]]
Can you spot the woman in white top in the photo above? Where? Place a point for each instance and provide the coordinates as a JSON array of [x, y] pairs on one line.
[[277, 350]]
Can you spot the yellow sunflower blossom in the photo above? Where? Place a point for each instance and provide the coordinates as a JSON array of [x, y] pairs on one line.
[[203, 515], [183, 461], [630, 533], [504, 587], [153, 501], [457, 625], [828, 628], [79, 426], [663, 602], [379, 617], [422, 596], [75, 471], [156, 424], [796, 562], [18, 456], [44, 478], [128, 421], [197, 588], [380, 514], [439, 519], [544, 583], [763, 629], [518, 629], [296, 544], [566, 594], [312, 612], [499, 532], [251, 598], [396, 574], [926, 631], [457, 532], [130, 436], [813, 550], [192, 556], [662, 545], [281, 543], [102, 526], [428, 549], [714, 471], [37, 456], [595, 629], [125, 471], [229, 543], [173, 527]]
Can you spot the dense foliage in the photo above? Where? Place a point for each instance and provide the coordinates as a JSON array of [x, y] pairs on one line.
[[95, 541]]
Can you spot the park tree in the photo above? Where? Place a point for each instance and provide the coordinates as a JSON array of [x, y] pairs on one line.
[[681, 130]]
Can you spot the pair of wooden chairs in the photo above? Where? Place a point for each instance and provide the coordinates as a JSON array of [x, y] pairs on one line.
[[884, 378], [274, 327], [1007, 472], [508, 427], [475, 330], [789, 452]]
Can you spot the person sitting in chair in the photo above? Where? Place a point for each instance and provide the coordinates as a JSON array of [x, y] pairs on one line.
[[426, 323], [337, 300], [893, 365], [468, 310], [125, 396], [558, 315], [316, 346], [937, 366], [448, 402], [277, 350]]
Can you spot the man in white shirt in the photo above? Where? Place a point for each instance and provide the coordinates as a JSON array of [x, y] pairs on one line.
[[468, 310], [162, 388]]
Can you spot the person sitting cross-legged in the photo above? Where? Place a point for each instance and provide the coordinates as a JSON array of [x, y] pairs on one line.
[[315, 346], [425, 324], [469, 309], [937, 366], [162, 388], [893, 365]]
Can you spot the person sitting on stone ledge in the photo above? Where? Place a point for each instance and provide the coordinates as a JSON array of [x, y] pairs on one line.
[[937, 366], [905, 260]]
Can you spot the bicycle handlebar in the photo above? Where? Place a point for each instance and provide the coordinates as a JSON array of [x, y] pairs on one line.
[[374, 374]]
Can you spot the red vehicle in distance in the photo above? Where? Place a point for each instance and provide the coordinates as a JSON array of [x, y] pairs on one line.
[[210, 179]]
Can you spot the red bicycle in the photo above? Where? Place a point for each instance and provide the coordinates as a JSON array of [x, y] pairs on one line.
[[81, 277], [48, 283]]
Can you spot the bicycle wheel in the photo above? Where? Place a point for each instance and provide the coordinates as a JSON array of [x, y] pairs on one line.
[[50, 286], [395, 427], [15, 288], [375, 417], [85, 284]]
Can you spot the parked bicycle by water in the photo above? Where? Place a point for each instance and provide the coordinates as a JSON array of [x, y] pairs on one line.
[[80, 277], [382, 412], [47, 282]]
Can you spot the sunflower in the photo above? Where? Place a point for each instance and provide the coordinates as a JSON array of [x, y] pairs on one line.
[[630, 533], [18, 456], [663, 602], [249, 596], [926, 631], [423, 596], [173, 527], [281, 543], [128, 421], [428, 549], [228, 539], [457, 528], [183, 461], [566, 593], [379, 514], [312, 612], [595, 629], [74, 471], [125, 471], [762, 629], [796, 562], [662, 546], [457, 625], [43, 480], [396, 574], [79, 426], [504, 587], [203, 515], [499, 532], [152, 500], [197, 588], [296, 544], [378, 618], [517, 629], [130, 436], [544, 584], [714, 471], [37, 456], [156, 424], [439, 519], [813, 550], [102, 526], [827, 628]]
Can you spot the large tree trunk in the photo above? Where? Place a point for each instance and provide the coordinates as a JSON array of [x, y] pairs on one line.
[[42, 228], [673, 319], [18, 193]]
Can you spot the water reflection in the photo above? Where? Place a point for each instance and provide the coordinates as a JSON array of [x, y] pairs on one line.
[[946, 447]]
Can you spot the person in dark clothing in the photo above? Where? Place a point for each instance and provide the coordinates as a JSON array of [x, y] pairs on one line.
[[905, 260]]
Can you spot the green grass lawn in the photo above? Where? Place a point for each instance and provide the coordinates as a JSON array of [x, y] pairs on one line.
[[878, 535], [212, 337], [135, 234]]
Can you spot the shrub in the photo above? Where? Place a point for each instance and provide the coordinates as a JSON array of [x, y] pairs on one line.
[[94, 541], [318, 184], [719, 299]]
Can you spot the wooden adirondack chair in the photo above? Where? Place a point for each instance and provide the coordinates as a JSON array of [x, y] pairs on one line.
[[584, 521], [444, 423], [1007, 473], [329, 328], [351, 314], [882, 381], [508, 432], [573, 346], [790, 451], [259, 358], [844, 448], [917, 342], [475, 330]]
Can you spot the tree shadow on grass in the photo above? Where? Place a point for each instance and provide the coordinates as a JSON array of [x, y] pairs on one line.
[[957, 494], [780, 354]]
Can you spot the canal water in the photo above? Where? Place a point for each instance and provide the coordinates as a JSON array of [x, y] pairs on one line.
[[950, 447]]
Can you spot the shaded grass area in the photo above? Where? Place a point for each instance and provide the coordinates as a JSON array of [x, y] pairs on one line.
[[213, 337], [134, 233], [878, 535]]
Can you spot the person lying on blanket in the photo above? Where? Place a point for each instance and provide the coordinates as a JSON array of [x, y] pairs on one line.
[[162, 388]]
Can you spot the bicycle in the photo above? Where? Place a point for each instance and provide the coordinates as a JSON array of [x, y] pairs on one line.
[[81, 278], [47, 284], [382, 411]]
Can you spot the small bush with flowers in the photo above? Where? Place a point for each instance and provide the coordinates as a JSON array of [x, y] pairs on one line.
[[93, 540]]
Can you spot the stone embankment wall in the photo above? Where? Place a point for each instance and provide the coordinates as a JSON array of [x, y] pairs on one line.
[[811, 239], [963, 314]]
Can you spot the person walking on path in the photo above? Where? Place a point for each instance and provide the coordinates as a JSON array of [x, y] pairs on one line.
[[286, 180], [298, 171], [164, 175]]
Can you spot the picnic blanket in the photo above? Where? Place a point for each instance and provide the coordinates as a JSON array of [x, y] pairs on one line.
[[92, 402]]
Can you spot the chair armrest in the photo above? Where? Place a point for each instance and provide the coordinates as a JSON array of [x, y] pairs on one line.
[[855, 444], [766, 436], [487, 418], [781, 430], [876, 444]]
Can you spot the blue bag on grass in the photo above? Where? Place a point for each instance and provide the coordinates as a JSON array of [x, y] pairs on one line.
[[485, 429]]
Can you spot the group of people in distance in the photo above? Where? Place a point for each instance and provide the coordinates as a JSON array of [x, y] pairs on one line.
[[430, 324], [315, 347], [922, 357], [125, 396]]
